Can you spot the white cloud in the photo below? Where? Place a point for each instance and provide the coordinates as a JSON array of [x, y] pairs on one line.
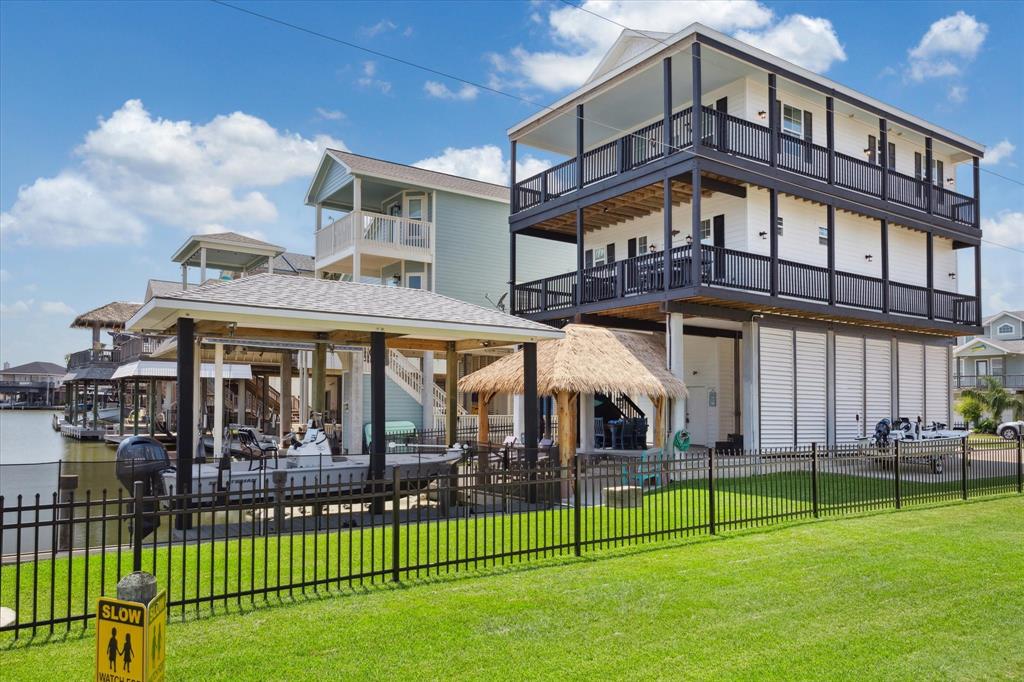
[[330, 114], [382, 26], [442, 91], [957, 94], [810, 42], [999, 152], [369, 79], [16, 308], [948, 44], [485, 163], [135, 171], [1007, 228], [580, 39], [56, 308]]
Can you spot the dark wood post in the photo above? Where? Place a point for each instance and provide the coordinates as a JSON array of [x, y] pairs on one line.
[[579, 256], [928, 180], [378, 374], [773, 123], [885, 265], [666, 78], [513, 193], [976, 171], [666, 235], [977, 284], [696, 249], [512, 273], [696, 117], [773, 232], [531, 423], [883, 156], [451, 388], [579, 146], [830, 225], [830, 138], [930, 264], [186, 429]]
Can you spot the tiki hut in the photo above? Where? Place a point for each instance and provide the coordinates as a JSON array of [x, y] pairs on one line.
[[587, 360], [110, 316]]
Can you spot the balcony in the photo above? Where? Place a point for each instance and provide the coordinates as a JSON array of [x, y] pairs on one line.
[[1011, 381], [94, 357], [750, 141], [374, 235], [625, 281], [137, 347]]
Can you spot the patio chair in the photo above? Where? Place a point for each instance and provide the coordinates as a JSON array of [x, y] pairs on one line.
[[255, 450], [648, 469], [640, 432], [599, 439]]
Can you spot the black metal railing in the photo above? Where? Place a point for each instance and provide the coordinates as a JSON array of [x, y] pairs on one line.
[[94, 356], [736, 136], [980, 380], [859, 291], [244, 543], [803, 157], [800, 280]]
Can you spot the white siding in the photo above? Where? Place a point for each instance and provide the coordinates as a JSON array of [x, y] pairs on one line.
[[811, 388], [878, 387], [936, 385], [776, 363], [849, 359], [857, 237], [911, 380]]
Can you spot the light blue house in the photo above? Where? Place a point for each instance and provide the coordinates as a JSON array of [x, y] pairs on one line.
[[396, 225]]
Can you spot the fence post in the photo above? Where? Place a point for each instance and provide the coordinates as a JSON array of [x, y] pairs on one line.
[[395, 540], [577, 505], [137, 529], [1020, 464], [711, 490], [814, 478], [963, 467], [896, 469]]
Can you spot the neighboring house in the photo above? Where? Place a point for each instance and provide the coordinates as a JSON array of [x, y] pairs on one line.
[[800, 236], [407, 226], [998, 353], [33, 384]]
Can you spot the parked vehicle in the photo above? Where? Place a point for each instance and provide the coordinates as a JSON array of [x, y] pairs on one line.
[[1011, 430]]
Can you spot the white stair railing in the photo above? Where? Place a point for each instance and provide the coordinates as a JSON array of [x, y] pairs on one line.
[[406, 374]]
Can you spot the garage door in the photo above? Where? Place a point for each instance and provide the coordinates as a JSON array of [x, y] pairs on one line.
[[811, 388], [911, 380], [849, 388], [936, 382], [776, 363], [878, 386]]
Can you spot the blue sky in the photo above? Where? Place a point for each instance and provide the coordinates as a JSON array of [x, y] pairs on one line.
[[126, 126]]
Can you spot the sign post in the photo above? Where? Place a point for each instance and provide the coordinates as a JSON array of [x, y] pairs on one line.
[[131, 639]]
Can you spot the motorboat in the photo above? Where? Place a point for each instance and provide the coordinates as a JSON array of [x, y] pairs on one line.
[[232, 440], [888, 433]]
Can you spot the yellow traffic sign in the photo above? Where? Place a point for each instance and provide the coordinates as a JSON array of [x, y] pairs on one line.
[[131, 640]]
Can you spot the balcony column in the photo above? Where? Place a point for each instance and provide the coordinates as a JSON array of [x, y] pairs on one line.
[[136, 406], [319, 378], [928, 179], [666, 86], [451, 389], [202, 265], [184, 276], [696, 249], [773, 240], [579, 257], [773, 124], [976, 175], [512, 273], [531, 417], [883, 156], [830, 225], [96, 406], [427, 389], [185, 426], [284, 398], [218, 399], [830, 138], [930, 262], [977, 284], [696, 118], [243, 399], [513, 194], [579, 146], [676, 345], [885, 265], [378, 417]]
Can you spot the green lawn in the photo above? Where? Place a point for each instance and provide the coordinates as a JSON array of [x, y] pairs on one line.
[[923, 594]]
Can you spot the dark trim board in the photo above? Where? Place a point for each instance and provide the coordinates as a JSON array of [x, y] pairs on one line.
[[650, 326]]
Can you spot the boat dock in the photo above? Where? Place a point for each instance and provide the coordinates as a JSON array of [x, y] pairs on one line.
[[82, 432]]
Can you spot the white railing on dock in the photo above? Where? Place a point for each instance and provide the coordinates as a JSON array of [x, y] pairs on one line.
[[377, 229]]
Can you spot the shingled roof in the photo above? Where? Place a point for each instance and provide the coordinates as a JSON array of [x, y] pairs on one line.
[[37, 367], [110, 316]]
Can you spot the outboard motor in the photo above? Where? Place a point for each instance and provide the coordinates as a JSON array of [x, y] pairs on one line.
[[144, 459], [882, 431]]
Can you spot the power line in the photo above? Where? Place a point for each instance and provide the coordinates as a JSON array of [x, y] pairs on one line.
[[1004, 177]]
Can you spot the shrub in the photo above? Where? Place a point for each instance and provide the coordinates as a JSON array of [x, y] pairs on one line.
[[986, 425], [970, 409]]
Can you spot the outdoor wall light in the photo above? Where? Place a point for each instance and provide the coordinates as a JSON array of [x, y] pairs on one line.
[[689, 239], [952, 275], [867, 257], [762, 114], [762, 234]]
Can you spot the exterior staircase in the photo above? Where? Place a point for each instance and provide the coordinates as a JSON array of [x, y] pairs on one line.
[[408, 376]]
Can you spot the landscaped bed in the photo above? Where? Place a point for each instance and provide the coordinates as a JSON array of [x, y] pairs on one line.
[[913, 595]]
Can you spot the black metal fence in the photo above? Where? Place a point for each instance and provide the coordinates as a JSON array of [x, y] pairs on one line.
[[277, 535]]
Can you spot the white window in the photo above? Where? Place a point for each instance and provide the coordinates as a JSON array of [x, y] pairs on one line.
[[1005, 329], [641, 246], [997, 366], [415, 281], [705, 231], [792, 121], [600, 257], [778, 225], [823, 236]]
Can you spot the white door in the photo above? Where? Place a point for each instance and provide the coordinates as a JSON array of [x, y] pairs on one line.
[[697, 414], [911, 380], [414, 211], [777, 386], [849, 388], [811, 388], [878, 382], [936, 381]]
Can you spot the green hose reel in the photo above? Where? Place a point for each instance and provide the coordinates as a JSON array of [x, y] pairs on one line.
[[681, 441]]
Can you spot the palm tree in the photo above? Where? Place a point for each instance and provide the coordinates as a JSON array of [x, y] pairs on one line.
[[996, 399]]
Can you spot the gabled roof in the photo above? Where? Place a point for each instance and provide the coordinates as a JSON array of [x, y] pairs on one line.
[[37, 367], [289, 263], [1011, 346], [629, 44], [369, 167], [110, 316], [226, 250], [1019, 314]]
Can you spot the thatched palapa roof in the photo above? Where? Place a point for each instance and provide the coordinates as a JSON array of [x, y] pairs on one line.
[[588, 360], [110, 316]]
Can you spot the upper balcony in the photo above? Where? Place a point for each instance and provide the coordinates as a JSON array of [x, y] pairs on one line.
[[94, 357], [760, 117], [376, 238]]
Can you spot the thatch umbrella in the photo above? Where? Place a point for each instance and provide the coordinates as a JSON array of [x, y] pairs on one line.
[[587, 360], [110, 316]]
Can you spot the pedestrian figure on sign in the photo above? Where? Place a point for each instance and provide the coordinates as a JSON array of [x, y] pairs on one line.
[[127, 653], [112, 650]]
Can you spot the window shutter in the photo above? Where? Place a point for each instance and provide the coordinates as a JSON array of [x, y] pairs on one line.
[[631, 248], [808, 135], [588, 258], [611, 253], [892, 156], [939, 175], [872, 147]]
